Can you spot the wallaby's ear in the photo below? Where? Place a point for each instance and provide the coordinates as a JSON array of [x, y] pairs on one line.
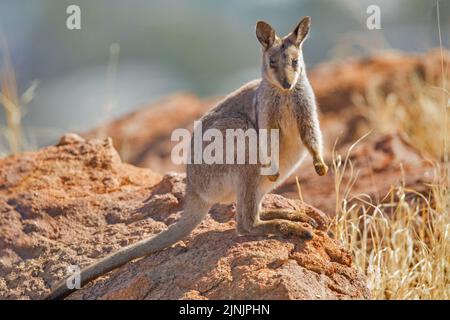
[[265, 34], [301, 31]]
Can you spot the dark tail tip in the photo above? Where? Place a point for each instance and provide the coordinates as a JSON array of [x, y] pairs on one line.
[[59, 293]]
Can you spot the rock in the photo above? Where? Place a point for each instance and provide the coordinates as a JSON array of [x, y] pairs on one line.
[[74, 203], [70, 138], [54, 209], [223, 265], [143, 137]]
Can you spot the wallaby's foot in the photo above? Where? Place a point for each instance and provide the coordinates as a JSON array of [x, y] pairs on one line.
[[286, 214], [321, 167], [331, 234], [279, 227], [240, 229], [273, 177]]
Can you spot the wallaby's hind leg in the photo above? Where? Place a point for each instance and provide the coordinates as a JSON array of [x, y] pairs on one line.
[[195, 208], [249, 222], [287, 214]]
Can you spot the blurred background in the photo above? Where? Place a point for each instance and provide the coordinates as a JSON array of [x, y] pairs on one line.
[[130, 53]]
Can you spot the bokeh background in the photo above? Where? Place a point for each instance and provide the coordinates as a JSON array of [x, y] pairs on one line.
[[130, 53]]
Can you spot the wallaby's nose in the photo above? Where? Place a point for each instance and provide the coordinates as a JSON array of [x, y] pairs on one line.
[[286, 84]]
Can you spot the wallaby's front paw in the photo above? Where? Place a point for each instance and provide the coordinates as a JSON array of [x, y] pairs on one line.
[[289, 229], [273, 177], [321, 168], [305, 218]]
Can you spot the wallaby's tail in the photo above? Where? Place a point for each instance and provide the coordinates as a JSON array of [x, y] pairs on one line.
[[194, 212]]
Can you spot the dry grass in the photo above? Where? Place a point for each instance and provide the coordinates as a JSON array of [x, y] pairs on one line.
[[402, 245], [419, 111], [10, 101], [13, 105]]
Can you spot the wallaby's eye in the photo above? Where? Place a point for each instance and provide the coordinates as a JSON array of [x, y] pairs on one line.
[[295, 63], [272, 62]]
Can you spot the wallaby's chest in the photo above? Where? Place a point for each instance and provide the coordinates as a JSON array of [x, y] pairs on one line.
[[284, 117], [281, 112], [291, 146]]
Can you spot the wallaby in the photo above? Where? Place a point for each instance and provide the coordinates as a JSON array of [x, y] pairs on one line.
[[283, 99]]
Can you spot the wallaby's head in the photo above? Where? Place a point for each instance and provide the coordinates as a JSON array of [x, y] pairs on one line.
[[282, 61]]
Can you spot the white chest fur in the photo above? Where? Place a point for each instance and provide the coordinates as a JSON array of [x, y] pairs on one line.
[[291, 147]]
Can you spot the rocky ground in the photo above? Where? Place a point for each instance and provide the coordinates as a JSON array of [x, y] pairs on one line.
[[75, 202]]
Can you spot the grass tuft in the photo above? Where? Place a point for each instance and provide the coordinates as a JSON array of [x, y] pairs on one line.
[[401, 244]]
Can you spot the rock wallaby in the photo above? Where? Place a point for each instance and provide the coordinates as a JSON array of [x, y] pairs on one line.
[[282, 99]]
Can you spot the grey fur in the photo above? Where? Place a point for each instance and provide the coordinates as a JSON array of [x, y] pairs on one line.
[[283, 99]]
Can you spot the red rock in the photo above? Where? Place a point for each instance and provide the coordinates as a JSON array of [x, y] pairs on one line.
[[76, 202]]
